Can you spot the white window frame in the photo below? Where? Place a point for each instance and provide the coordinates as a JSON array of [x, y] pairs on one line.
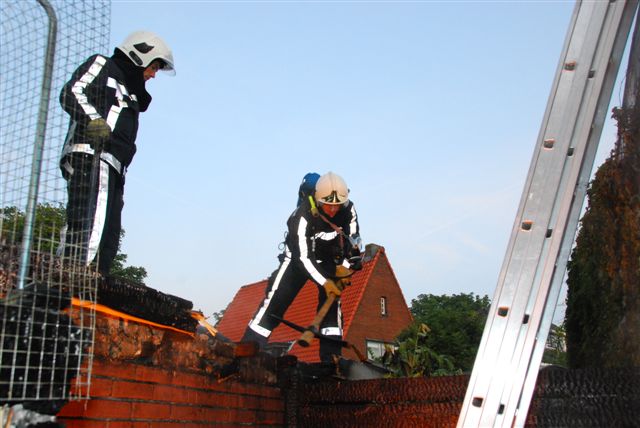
[[376, 348], [383, 306]]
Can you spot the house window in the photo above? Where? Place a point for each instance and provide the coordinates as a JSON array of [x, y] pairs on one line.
[[383, 306], [377, 348]]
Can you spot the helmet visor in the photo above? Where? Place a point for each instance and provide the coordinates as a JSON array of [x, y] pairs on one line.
[[334, 198], [166, 67]]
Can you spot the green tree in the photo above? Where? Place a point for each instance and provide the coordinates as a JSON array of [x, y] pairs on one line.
[[412, 356], [132, 273], [217, 316], [49, 219], [556, 350], [456, 323]]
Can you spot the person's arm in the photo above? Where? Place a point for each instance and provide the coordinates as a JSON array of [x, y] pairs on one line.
[[353, 257], [306, 255], [353, 227], [80, 95]]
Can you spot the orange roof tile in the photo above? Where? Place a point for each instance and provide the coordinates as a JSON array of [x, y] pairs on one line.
[[301, 312], [241, 310]]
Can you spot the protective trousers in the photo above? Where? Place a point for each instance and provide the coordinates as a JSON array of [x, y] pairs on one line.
[[94, 215], [283, 287]]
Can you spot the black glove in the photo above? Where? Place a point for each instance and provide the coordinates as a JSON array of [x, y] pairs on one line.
[[355, 263], [98, 133]]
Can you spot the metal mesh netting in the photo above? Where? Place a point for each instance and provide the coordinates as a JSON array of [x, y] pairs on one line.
[[586, 398], [563, 398], [46, 335]]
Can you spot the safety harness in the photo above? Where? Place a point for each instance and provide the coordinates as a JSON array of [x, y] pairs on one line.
[[316, 213]]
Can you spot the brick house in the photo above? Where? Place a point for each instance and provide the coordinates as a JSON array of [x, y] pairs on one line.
[[373, 307]]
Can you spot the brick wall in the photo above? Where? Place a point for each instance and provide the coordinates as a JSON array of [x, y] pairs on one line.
[[136, 395], [370, 323], [125, 394], [146, 376]]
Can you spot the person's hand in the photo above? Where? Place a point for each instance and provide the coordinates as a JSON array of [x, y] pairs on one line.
[[355, 263], [343, 275], [98, 132], [333, 287]]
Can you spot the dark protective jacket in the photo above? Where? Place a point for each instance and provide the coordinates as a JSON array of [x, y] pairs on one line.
[[316, 244], [112, 89]]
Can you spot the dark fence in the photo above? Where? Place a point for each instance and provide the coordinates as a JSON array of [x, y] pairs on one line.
[[563, 398]]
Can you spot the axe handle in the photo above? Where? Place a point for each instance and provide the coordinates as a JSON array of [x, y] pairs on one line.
[[307, 336], [242, 349], [323, 310]]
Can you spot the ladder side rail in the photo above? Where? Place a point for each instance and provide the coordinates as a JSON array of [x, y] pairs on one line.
[[583, 124], [521, 275], [520, 270], [607, 68], [493, 336], [547, 173], [516, 223], [594, 73]]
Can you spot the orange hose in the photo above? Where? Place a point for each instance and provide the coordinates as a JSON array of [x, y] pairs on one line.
[[113, 313]]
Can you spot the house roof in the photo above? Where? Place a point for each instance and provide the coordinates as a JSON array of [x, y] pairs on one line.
[[301, 312]]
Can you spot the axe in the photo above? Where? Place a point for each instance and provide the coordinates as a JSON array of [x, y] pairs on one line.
[[343, 276], [309, 333]]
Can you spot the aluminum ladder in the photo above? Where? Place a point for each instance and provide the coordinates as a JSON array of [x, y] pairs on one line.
[[510, 352]]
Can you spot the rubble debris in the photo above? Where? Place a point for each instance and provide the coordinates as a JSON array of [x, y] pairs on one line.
[[145, 302], [18, 416], [117, 293], [120, 340]]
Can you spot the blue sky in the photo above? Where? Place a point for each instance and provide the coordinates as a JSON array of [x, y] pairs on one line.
[[429, 110]]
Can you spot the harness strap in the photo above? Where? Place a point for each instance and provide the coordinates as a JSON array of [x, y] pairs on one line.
[[316, 213]]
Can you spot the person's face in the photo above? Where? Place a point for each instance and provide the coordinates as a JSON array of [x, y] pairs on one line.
[[330, 210], [151, 70]]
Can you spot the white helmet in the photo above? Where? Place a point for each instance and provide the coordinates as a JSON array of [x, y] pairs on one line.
[[142, 47], [331, 190]]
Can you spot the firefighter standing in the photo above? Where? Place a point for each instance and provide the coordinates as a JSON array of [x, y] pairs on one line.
[[321, 240], [104, 99]]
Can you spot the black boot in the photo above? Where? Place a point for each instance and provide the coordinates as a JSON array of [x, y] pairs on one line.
[[252, 336], [329, 349]]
